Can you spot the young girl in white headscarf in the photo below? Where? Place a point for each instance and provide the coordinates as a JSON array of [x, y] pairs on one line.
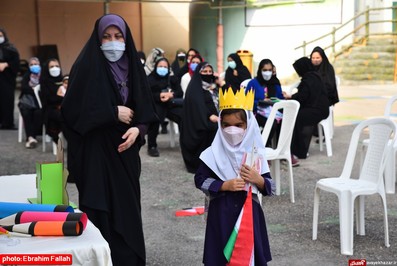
[[234, 164]]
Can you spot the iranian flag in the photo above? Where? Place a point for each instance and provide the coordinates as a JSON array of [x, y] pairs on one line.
[[239, 249]]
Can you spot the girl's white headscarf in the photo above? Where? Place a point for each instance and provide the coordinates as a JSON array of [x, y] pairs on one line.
[[225, 160]]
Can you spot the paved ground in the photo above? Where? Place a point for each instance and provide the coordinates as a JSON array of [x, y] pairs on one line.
[[167, 187]]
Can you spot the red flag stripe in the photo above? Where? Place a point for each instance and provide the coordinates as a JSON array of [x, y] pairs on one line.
[[244, 245]]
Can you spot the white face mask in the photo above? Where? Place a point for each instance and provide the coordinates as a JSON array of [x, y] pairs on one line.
[[55, 71], [2, 39], [267, 75], [233, 135], [113, 50]]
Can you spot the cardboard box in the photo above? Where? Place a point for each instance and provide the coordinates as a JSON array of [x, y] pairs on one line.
[[51, 181]]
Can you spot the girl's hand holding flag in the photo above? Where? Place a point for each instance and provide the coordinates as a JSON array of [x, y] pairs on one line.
[[250, 175]]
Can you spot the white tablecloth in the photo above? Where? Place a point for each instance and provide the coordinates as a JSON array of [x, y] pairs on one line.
[[88, 249]]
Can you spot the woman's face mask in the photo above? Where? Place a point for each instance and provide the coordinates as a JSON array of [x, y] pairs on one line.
[[193, 66], [231, 64], [35, 69], [267, 75], [162, 71], [233, 135], [2, 39], [55, 71], [209, 78], [113, 50]]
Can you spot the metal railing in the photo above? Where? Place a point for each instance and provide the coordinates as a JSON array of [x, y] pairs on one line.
[[357, 38]]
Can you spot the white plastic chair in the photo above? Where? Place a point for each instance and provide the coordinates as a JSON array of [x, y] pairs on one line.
[[20, 126], [326, 131], [283, 149], [173, 132], [390, 170], [351, 191], [244, 84]]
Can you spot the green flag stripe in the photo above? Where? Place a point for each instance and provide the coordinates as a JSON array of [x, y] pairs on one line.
[[228, 250]]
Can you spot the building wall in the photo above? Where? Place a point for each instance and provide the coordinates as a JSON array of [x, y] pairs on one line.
[[276, 42], [67, 24], [165, 26]]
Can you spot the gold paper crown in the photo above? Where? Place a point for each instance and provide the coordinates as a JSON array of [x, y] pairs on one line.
[[240, 100]]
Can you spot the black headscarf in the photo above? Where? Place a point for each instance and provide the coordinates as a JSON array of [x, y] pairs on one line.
[[271, 83], [157, 82], [243, 73], [197, 131], [49, 86], [302, 66], [177, 64], [311, 90], [327, 73], [93, 93]]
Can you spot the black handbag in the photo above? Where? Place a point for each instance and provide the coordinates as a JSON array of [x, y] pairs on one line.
[[27, 102]]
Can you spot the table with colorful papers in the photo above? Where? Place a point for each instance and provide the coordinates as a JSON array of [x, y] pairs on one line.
[[88, 249]]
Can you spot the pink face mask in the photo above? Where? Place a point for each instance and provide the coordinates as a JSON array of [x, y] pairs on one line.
[[233, 135]]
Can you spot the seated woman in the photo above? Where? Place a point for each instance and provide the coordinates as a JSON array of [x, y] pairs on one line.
[[165, 90], [32, 117], [50, 80], [200, 115], [326, 70], [313, 100], [266, 85]]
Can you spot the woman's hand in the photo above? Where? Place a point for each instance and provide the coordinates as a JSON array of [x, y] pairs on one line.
[[60, 92], [251, 175], [236, 184], [286, 95], [125, 114], [130, 137], [3, 66], [166, 96]]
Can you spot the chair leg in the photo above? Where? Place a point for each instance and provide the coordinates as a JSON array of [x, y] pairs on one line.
[[385, 222], [327, 135], [43, 138], [20, 128], [315, 212], [275, 171], [172, 134], [291, 182], [360, 215], [346, 208], [320, 135]]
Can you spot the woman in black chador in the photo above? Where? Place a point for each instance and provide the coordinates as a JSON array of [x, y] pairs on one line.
[[9, 66], [106, 109], [200, 116], [313, 100]]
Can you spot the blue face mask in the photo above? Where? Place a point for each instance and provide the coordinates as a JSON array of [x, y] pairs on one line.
[[193, 66], [232, 64], [35, 69], [162, 71]]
